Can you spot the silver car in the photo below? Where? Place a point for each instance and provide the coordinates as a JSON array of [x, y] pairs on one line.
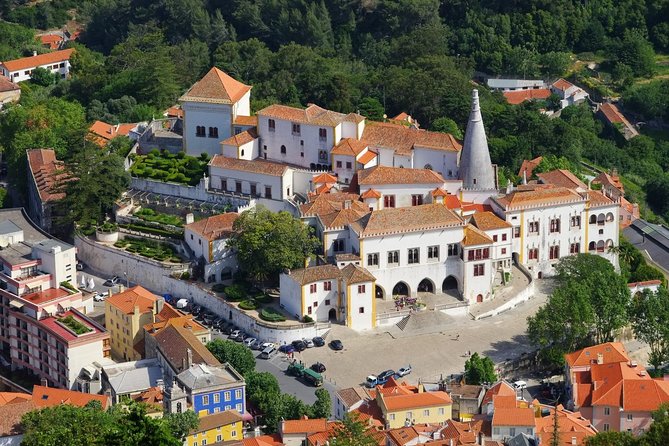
[[249, 342]]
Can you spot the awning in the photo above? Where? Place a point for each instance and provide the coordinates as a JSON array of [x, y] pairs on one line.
[[16, 304]]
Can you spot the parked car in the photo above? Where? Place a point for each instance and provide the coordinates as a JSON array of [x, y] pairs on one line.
[[371, 381], [287, 348], [112, 281], [257, 345], [336, 345], [520, 385], [318, 367], [384, 376], [403, 371], [218, 322], [308, 342], [234, 333], [299, 345], [318, 341], [264, 345], [249, 341], [228, 329], [208, 318], [99, 297]]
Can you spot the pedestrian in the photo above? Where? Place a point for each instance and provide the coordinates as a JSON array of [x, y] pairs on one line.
[[457, 337]]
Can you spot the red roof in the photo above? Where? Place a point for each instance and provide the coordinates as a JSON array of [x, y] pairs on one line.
[[612, 352], [38, 61], [106, 132], [56, 327], [50, 396], [516, 416], [324, 178], [528, 167], [519, 96], [304, 426], [43, 296], [47, 172], [217, 87], [562, 84], [52, 40], [7, 85], [214, 227]]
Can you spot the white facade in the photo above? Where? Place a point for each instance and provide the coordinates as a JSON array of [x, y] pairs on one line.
[[256, 184], [217, 122], [442, 161], [401, 195], [60, 67], [220, 260]]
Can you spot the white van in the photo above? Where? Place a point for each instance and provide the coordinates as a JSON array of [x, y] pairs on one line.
[[267, 352], [371, 381], [520, 385]]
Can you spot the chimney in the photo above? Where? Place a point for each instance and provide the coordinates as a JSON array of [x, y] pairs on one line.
[[158, 306], [160, 384], [573, 441], [347, 204], [421, 387], [121, 288], [44, 382], [189, 358], [600, 358], [34, 53], [190, 218], [450, 442], [109, 292]]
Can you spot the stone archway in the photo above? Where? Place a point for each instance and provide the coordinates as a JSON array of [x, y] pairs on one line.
[[426, 286], [332, 315], [449, 285], [401, 289], [380, 292]]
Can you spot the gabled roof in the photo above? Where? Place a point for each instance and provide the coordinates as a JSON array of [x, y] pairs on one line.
[[570, 425], [349, 146], [216, 87], [102, 133], [203, 376], [528, 167], [324, 178], [312, 115], [461, 433], [214, 227], [612, 352], [402, 435], [324, 204], [475, 237], [135, 296], [516, 416], [597, 198], [398, 175], [241, 138], [521, 199], [37, 61], [403, 139], [10, 417], [352, 395], [313, 274], [13, 397], [562, 84], [51, 396], [502, 388], [341, 218], [304, 426], [488, 221], [185, 321], [251, 121], [612, 180], [352, 274], [216, 420], [47, 172], [258, 166], [562, 178], [395, 402], [519, 96], [7, 85], [409, 219], [371, 193], [367, 157], [174, 340], [263, 440]]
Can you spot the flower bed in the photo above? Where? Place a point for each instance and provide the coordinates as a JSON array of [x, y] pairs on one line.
[[271, 315]]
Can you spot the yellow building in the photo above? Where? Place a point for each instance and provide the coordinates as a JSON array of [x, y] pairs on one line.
[[217, 427], [126, 314], [401, 404]]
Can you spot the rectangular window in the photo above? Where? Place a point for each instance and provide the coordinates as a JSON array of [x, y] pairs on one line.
[[254, 191], [413, 255], [433, 252], [312, 288], [607, 411], [606, 427], [213, 132], [268, 191], [574, 248], [361, 289], [238, 187], [555, 225], [504, 237], [338, 164], [239, 407], [227, 396], [534, 227], [533, 253], [512, 431], [205, 400], [327, 301], [200, 131], [271, 125], [217, 398], [416, 200], [629, 417], [373, 259], [308, 310], [494, 238], [338, 245], [361, 310], [393, 257], [388, 201], [452, 250], [426, 412], [315, 305], [516, 232], [479, 270], [296, 129], [441, 411], [554, 252], [327, 286], [391, 416], [322, 134], [219, 437], [503, 251], [576, 221], [349, 165]]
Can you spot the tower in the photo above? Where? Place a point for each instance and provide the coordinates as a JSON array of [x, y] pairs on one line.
[[476, 170]]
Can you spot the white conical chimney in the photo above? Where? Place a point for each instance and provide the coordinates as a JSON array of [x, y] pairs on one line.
[[476, 171]]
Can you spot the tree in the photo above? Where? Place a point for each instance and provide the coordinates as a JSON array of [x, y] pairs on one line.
[[371, 108], [267, 243], [447, 125], [554, 64], [351, 432], [181, 424], [637, 53], [42, 76], [552, 162], [479, 369], [132, 427], [322, 407], [612, 439], [238, 356], [649, 314]]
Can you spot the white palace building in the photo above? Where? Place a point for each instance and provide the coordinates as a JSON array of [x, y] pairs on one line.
[[399, 210]]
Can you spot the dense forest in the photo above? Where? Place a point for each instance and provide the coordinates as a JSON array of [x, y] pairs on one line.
[[135, 57]]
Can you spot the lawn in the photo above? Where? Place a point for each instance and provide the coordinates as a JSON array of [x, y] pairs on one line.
[[148, 214], [165, 166]]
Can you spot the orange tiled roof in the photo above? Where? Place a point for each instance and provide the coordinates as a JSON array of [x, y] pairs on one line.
[[597, 198], [313, 274], [241, 138], [51, 396], [246, 121], [349, 146], [394, 402], [487, 221], [352, 274], [528, 167], [47, 172], [52, 40], [13, 397], [502, 388], [367, 157], [644, 283], [312, 115], [10, 417], [324, 178], [7, 85], [402, 435], [259, 166], [409, 219], [402, 139], [475, 237], [520, 96], [185, 321], [570, 425], [263, 440], [371, 193], [398, 175], [461, 433], [37, 61], [609, 180], [135, 296], [216, 87], [152, 395], [562, 178], [168, 312], [102, 132], [562, 84], [216, 420], [341, 218], [439, 192], [321, 438], [613, 352], [214, 227], [516, 416], [519, 199], [304, 425], [327, 203], [452, 202], [175, 111]]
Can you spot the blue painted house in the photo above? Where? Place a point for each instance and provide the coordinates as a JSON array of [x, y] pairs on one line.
[[212, 389]]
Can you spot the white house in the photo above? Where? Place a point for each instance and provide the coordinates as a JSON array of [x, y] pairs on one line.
[[501, 234], [208, 238], [211, 108], [326, 292], [569, 93], [19, 70], [349, 156]]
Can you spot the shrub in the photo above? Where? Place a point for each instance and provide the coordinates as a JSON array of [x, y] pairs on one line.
[[185, 275], [270, 315], [74, 325], [248, 304], [235, 293], [108, 227], [218, 288], [263, 299], [69, 286], [307, 319]]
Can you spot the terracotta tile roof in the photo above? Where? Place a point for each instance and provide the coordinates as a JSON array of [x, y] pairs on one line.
[[397, 175], [322, 438], [609, 180], [562, 84], [644, 283], [570, 425], [324, 178], [47, 172], [402, 139], [475, 237], [304, 426], [241, 138], [214, 227], [460, 433], [349, 146], [487, 221], [528, 167], [13, 397], [152, 396], [352, 395], [258, 166], [596, 198], [312, 115], [341, 218], [263, 440], [7, 85], [504, 401], [520, 96], [216, 420], [517, 416], [452, 202], [613, 352], [396, 402], [174, 340], [352, 274], [409, 219], [367, 157], [439, 192], [175, 111], [502, 388], [37, 61], [246, 121], [216, 87], [371, 193], [519, 199], [327, 203], [10, 417], [135, 296], [562, 178], [51, 396], [168, 312], [403, 116], [52, 40], [313, 274], [102, 133], [402, 435], [185, 321]]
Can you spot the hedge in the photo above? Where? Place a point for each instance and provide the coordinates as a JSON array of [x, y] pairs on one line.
[[235, 293], [248, 304], [155, 231], [270, 315], [263, 299], [218, 288]]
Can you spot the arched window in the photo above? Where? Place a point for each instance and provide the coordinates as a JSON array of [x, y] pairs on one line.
[[592, 246], [428, 167], [283, 150], [609, 217], [593, 219]]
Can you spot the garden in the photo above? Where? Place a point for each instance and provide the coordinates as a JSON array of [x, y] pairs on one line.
[[169, 167], [151, 216], [162, 252], [74, 325], [249, 298]]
